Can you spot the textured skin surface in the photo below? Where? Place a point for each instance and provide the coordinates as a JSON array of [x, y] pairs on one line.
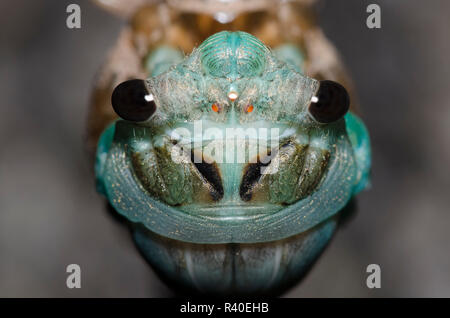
[[140, 173], [230, 269], [288, 28], [231, 61], [199, 209]]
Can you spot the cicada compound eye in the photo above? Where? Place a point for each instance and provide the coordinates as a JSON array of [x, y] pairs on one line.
[[330, 103], [132, 101]]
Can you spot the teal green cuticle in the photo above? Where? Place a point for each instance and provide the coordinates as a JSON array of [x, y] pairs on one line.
[[245, 55], [280, 96], [360, 140], [292, 55], [161, 59], [104, 144], [176, 207]]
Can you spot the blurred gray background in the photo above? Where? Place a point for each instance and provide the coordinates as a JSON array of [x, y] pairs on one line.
[[51, 216]]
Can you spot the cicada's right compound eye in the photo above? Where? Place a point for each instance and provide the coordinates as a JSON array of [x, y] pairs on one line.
[[132, 101]]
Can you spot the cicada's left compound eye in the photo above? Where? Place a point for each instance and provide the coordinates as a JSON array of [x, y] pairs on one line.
[[330, 103], [132, 101]]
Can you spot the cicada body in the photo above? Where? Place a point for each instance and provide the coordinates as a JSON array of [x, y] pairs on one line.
[[235, 150]]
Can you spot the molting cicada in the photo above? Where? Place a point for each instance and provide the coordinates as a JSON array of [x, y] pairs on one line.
[[225, 135]]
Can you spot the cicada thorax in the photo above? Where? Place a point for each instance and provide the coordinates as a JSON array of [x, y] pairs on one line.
[[184, 25]]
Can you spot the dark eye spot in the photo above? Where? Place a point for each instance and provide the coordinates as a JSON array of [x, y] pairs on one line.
[[330, 103], [132, 101]]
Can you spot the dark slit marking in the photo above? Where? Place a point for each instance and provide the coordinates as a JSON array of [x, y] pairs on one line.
[[252, 174], [211, 174]]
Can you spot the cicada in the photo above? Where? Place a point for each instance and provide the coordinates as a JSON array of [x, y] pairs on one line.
[[226, 134]]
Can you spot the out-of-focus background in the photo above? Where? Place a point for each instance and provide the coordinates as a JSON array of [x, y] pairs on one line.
[[51, 216]]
